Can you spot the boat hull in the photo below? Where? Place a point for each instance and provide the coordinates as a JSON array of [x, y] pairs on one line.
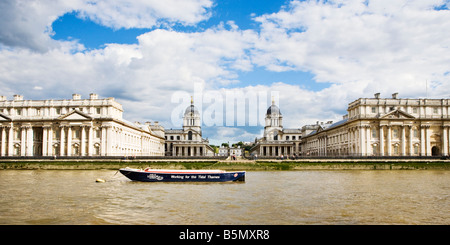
[[177, 176]]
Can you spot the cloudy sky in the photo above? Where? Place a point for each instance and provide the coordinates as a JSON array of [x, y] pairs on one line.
[[316, 56]]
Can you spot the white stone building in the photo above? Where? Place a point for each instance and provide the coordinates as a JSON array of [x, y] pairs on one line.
[[223, 151], [236, 151], [73, 127], [188, 141], [277, 141], [385, 127]]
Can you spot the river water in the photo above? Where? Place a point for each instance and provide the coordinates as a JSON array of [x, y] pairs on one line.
[[267, 197]]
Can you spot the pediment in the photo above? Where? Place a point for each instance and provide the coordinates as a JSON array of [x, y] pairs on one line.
[[75, 115], [4, 118], [397, 114]]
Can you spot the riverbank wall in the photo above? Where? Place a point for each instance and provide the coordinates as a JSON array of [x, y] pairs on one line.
[[249, 165]]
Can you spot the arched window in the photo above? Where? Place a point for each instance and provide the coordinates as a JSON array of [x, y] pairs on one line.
[[190, 135]]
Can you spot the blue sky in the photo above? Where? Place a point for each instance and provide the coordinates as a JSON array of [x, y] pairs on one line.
[[71, 26], [317, 55]]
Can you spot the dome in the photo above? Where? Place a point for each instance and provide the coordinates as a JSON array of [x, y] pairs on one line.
[[191, 109], [273, 109]]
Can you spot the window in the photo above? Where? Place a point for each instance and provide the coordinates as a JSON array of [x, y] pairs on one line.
[[416, 133], [415, 110], [374, 109], [190, 135], [76, 134], [374, 133], [18, 112], [287, 137], [56, 134], [396, 149], [58, 111], [395, 133], [98, 110], [416, 149], [435, 110], [374, 149], [17, 134], [293, 137]]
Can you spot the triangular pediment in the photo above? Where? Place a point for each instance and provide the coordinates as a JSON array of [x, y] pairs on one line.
[[4, 118], [397, 114], [75, 115]]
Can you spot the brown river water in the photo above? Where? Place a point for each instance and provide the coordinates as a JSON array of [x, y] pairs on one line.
[[42, 197]]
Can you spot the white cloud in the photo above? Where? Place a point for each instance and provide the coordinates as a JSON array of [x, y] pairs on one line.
[[384, 45], [359, 48], [28, 23], [145, 13]]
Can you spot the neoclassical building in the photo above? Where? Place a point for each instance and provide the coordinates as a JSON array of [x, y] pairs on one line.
[[385, 127], [277, 140], [188, 141], [74, 127]]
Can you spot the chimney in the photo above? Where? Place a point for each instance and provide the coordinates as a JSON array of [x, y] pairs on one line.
[[18, 97], [76, 97], [93, 96], [394, 95], [377, 95]]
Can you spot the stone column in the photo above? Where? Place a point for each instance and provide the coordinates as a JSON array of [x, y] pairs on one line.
[[90, 142], [69, 141], [422, 141], [388, 138], [428, 140], [11, 140], [50, 141], [23, 138], [449, 138], [381, 140], [44, 140], [444, 141], [103, 141], [30, 141], [3, 142], [403, 141], [62, 141], [109, 141], [83, 141], [362, 141], [368, 149], [411, 136]]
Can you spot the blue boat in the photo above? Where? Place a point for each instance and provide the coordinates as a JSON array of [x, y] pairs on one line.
[[167, 175]]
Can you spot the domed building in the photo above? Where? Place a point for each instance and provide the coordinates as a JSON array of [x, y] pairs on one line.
[[188, 141], [277, 141]]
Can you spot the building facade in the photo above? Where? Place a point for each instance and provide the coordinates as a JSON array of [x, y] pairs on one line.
[[385, 127], [277, 141], [188, 141], [73, 127]]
